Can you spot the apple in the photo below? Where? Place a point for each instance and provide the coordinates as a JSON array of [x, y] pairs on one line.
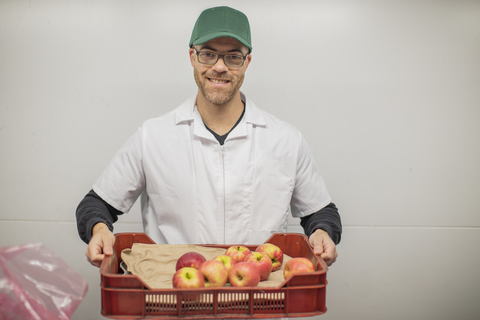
[[244, 274], [187, 277], [297, 265], [214, 273], [227, 261], [274, 252], [190, 259], [262, 262], [238, 252]]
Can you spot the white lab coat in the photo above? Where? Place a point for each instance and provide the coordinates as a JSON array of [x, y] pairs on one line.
[[196, 191]]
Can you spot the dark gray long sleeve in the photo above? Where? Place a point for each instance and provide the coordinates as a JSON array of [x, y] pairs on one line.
[[327, 219], [92, 210]]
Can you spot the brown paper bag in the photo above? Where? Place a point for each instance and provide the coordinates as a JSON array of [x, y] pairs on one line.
[[155, 264]]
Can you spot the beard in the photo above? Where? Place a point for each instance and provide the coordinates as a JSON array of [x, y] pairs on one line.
[[217, 96]]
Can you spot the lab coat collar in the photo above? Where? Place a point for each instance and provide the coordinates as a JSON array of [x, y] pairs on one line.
[[186, 112], [253, 114]]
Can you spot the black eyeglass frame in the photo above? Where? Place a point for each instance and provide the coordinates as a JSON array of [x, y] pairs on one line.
[[223, 57]]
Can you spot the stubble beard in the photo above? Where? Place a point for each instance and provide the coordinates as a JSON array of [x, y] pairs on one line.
[[216, 97]]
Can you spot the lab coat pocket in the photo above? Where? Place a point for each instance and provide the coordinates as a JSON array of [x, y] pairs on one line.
[[271, 194], [168, 204], [174, 219]]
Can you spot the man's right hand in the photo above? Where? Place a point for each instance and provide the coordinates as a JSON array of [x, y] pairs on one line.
[[100, 245]]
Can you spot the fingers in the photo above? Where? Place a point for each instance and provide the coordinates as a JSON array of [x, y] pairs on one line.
[[318, 248], [94, 253], [329, 257], [95, 259], [100, 245], [323, 246], [330, 252], [107, 247]]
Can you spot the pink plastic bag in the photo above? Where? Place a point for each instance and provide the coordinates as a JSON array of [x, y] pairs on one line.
[[37, 284]]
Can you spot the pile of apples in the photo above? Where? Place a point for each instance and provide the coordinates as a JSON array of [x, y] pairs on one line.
[[239, 266]]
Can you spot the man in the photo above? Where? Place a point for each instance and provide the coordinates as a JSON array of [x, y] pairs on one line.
[[217, 169]]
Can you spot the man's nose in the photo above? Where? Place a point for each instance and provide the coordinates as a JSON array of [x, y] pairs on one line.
[[220, 65]]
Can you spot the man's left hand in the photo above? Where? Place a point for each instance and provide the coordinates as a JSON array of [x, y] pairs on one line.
[[323, 246]]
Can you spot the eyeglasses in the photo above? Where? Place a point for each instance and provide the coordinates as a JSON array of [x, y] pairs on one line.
[[211, 58]]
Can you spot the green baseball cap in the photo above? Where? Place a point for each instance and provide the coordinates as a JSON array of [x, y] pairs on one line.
[[221, 22]]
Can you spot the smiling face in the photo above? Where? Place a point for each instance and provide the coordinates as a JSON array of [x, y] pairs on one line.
[[219, 84]]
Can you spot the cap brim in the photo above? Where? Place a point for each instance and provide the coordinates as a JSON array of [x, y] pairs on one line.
[[220, 34]]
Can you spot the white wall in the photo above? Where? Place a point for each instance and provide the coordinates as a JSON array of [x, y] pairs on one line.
[[387, 93]]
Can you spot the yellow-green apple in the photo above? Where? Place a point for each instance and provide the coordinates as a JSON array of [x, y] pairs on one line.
[[297, 265], [238, 252], [244, 274], [190, 259], [227, 261], [214, 273], [262, 262], [274, 252], [187, 277]]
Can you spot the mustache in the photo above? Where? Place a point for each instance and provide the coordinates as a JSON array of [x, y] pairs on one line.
[[218, 76]]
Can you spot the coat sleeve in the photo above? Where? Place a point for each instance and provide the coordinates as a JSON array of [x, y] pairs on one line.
[[92, 210], [310, 193], [122, 182]]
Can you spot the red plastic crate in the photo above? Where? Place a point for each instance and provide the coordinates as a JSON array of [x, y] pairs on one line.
[[128, 297]]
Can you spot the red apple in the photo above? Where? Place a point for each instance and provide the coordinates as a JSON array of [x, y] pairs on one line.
[[262, 262], [191, 260], [186, 278], [244, 274], [227, 261], [238, 252], [297, 265], [274, 252], [214, 273]]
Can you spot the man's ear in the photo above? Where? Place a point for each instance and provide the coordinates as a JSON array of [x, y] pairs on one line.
[[247, 61], [191, 52]]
